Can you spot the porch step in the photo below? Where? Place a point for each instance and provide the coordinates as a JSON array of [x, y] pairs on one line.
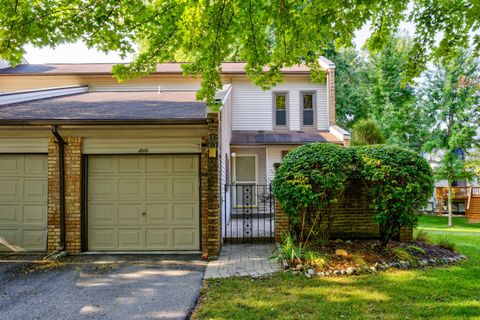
[[474, 210]]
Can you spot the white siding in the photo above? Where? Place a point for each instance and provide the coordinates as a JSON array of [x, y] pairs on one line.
[[252, 107], [274, 155], [226, 135]]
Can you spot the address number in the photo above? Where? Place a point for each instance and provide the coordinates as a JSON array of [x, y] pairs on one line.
[[143, 150]]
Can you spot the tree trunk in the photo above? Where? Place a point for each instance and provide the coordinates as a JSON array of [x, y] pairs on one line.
[[449, 205]]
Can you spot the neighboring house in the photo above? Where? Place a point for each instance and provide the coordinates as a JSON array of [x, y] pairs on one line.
[[465, 194], [146, 166], [5, 64]]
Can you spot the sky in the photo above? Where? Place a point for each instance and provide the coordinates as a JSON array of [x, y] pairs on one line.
[[79, 53]]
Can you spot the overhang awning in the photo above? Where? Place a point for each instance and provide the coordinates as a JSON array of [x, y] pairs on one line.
[[251, 138]]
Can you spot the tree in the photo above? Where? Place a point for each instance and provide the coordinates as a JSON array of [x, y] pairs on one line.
[[207, 32], [392, 102], [451, 98], [351, 85], [473, 164], [366, 132]]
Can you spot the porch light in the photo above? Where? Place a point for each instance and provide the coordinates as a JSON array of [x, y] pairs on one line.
[[233, 154], [212, 150]]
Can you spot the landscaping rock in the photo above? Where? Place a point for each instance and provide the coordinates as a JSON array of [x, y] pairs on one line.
[[336, 272], [373, 269], [299, 267], [343, 272], [350, 271], [310, 272], [423, 263], [341, 253]]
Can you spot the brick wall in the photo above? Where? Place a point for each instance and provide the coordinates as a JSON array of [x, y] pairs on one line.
[[331, 96], [210, 184], [281, 222], [352, 217], [73, 194]]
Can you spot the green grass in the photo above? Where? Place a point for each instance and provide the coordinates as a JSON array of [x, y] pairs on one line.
[[440, 293]]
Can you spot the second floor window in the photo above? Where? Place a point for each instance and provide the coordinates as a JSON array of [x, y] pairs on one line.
[[308, 109], [280, 112]]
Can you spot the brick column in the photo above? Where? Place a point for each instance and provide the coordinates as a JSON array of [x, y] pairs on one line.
[[281, 222], [73, 194], [406, 234], [210, 184], [331, 95]]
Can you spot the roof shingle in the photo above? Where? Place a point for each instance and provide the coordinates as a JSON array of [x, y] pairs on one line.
[[109, 106]]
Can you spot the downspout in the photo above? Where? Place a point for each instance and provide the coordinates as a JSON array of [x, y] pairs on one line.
[[61, 173]]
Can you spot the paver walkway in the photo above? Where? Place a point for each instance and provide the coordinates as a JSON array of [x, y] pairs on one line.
[[239, 260]]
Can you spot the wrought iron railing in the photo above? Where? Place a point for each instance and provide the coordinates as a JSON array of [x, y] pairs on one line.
[[249, 213]]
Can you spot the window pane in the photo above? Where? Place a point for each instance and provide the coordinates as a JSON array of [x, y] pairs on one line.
[[281, 118], [245, 169], [308, 101], [280, 102], [308, 117]]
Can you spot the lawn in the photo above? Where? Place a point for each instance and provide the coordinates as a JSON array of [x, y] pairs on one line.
[[441, 293]]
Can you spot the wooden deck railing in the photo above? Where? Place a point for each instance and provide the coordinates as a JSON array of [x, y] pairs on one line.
[[476, 191], [457, 192]]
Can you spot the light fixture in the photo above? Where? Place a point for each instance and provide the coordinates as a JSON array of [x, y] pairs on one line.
[[212, 149], [233, 154]]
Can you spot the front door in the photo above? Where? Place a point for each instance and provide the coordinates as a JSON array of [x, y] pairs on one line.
[[245, 180]]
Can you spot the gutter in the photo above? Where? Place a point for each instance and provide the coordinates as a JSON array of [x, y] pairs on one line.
[[49, 122], [61, 173]]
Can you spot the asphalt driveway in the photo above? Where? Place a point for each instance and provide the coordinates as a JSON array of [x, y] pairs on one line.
[[100, 287]]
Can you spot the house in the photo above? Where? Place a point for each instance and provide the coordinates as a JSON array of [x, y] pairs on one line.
[[465, 194], [90, 164]]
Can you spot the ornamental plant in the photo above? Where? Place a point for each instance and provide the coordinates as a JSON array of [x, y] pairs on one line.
[[399, 182], [309, 182], [313, 177]]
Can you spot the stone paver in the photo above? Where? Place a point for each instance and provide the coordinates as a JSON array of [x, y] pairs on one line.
[[241, 260]]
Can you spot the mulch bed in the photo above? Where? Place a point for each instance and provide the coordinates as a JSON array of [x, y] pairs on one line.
[[369, 256], [369, 252]]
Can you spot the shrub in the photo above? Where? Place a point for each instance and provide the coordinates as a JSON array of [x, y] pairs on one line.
[[309, 181], [422, 236], [399, 183], [415, 249], [315, 259], [402, 254], [295, 254], [445, 243], [289, 251], [366, 132], [312, 178]]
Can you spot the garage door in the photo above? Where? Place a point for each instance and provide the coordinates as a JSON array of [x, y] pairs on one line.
[[23, 202], [143, 202]]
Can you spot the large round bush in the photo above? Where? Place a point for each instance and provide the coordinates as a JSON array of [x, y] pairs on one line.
[[399, 182], [309, 181], [312, 178]]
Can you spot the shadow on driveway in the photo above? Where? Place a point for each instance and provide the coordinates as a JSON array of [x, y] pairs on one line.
[[100, 286]]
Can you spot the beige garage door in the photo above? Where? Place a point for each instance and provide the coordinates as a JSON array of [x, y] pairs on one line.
[[23, 202], [143, 202]]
